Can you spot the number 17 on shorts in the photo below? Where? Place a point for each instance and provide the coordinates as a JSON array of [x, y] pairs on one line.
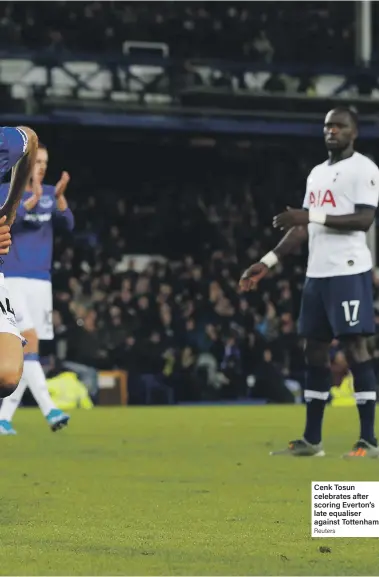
[[351, 309]]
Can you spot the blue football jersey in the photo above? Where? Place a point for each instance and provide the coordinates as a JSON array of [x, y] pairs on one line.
[[30, 255]]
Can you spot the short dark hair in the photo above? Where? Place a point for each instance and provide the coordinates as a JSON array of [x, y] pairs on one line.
[[350, 111], [41, 145]]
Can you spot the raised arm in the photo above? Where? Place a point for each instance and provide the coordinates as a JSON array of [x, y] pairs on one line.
[[63, 215], [20, 175]]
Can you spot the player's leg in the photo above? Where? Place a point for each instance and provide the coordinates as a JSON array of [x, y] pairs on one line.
[[317, 387], [8, 408], [40, 304], [11, 361], [315, 327], [33, 375], [10, 404], [354, 320], [362, 369], [11, 354]]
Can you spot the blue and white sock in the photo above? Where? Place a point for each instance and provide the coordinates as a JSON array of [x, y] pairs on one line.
[[36, 381], [316, 394], [10, 404], [365, 395]]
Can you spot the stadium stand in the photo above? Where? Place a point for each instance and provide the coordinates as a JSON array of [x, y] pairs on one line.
[[258, 31]]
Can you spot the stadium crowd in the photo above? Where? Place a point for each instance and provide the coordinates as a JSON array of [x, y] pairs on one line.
[[149, 281], [257, 31]]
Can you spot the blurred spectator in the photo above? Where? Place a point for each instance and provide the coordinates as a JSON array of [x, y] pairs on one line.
[[263, 47], [86, 345], [270, 383], [152, 375], [185, 381]]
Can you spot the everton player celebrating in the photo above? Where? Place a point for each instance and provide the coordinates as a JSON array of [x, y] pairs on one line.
[[337, 302]]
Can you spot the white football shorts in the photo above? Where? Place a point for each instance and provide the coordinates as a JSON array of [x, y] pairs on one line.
[[8, 323], [32, 301]]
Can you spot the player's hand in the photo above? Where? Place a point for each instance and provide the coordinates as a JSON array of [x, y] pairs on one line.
[[60, 187], [292, 217], [5, 236], [252, 276]]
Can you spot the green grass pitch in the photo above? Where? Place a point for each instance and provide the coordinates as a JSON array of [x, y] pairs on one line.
[[173, 491]]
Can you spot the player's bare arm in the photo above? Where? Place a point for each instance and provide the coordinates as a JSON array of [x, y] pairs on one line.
[[289, 244], [35, 184], [20, 176], [36, 188], [360, 220], [60, 190]]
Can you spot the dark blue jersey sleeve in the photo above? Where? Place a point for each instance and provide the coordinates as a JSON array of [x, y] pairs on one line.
[[64, 219]]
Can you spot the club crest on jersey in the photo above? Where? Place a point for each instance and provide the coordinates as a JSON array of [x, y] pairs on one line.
[[321, 198], [46, 202]]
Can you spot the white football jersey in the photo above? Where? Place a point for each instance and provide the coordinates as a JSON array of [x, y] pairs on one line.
[[336, 189]]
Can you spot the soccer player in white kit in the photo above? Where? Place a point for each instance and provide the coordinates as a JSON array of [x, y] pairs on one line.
[[337, 301]]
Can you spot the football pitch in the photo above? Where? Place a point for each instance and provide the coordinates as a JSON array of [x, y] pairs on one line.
[[173, 491]]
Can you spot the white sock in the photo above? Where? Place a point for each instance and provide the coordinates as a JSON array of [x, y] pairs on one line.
[[36, 381], [10, 404]]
